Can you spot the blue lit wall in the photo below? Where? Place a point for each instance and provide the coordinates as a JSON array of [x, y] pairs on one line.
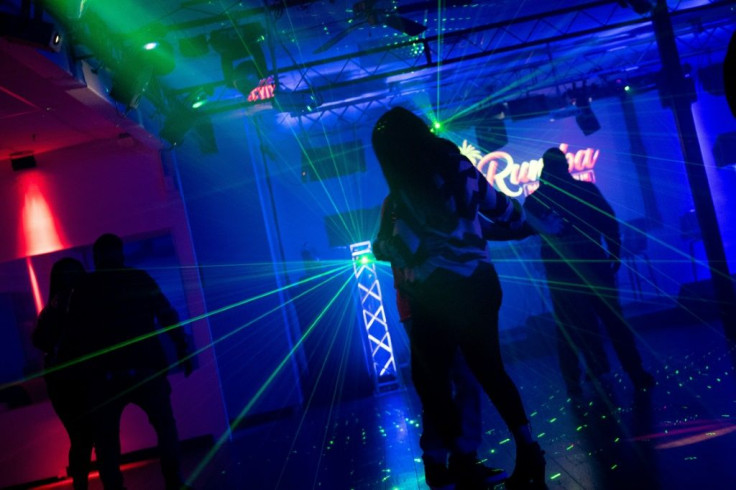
[[249, 204]]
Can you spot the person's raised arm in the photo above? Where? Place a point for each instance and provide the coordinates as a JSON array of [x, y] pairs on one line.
[[492, 204]]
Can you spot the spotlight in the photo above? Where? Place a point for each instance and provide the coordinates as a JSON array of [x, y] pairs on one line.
[[296, 102], [183, 120], [129, 84], [199, 99], [177, 124], [22, 160], [158, 55], [152, 50], [240, 42]]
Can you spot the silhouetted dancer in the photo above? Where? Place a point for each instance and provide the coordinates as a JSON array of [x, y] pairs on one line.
[[581, 264], [466, 390], [67, 386], [117, 308], [453, 289]]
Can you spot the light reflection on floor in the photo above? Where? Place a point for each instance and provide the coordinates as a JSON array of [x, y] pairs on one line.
[[680, 435]]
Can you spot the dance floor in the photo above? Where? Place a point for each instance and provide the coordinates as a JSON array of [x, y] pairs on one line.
[[679, 435]]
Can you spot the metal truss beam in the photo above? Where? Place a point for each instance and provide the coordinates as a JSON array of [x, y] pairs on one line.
[[380, 348]]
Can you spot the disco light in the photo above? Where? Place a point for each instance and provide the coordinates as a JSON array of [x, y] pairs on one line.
[[385, 374]]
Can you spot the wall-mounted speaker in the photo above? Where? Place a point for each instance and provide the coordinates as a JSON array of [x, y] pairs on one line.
[[22, 161]]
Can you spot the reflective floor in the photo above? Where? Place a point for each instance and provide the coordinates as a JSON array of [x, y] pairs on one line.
[[680, 435]]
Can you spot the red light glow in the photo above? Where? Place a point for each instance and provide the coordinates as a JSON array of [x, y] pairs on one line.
[[39, 234], [37, 299]]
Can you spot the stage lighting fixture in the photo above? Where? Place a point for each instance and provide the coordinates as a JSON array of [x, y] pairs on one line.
[[177, 123], [147, 47], [182, 117], [246, 76], [22, 161], [587, 121], [157, 54], [585, 118], [183, 121], [296, 103], [129, 84], [33, 32], [238, 43], [199, 98]]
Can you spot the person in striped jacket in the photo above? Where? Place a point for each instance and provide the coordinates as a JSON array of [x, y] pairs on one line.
[[453, 290]]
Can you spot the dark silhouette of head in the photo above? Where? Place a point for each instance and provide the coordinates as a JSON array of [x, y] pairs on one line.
[[108, 252], [555, 164], [399, 138], [66, 274]]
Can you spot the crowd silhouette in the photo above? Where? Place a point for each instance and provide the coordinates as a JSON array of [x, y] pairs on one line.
[[100, 334]]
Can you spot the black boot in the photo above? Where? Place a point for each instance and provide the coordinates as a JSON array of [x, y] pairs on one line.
[[469, 472], [529, 470], [436, 475]]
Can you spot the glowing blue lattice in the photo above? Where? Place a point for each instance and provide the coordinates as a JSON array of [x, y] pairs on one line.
[[374, 317]]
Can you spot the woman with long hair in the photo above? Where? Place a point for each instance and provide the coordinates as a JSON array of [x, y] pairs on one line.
[[453, 289], [66, 391]]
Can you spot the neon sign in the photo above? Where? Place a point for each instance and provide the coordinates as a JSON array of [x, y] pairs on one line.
[[265, 90], [515, 179]]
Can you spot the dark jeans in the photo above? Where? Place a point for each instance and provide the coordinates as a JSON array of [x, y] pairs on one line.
[[151, 395], [467, 398], [450, 311], [69, 397], [578, 307]]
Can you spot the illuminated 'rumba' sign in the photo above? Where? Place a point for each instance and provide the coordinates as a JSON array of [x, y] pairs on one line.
[[515, 179]]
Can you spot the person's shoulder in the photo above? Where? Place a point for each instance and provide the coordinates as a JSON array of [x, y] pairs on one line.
[[588, 188], [138, 274]]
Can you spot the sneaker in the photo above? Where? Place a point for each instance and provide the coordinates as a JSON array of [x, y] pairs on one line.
[[529, 470], [467, 469], [437, 476]]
